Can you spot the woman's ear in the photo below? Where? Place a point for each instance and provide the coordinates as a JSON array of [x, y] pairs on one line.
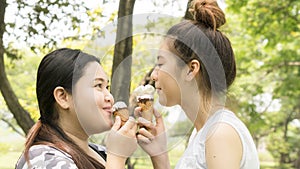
[[62, 97], [193, 69]]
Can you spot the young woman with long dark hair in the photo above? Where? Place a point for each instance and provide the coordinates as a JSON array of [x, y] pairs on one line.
[[74, 103]]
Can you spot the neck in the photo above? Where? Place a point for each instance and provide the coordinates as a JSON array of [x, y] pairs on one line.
[[80, 139], [75, 132], [201, 120], [199, 114]]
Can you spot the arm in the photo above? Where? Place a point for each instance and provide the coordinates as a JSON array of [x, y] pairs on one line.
[[154, 143], [223, 148], [114, 161], [161, 161]]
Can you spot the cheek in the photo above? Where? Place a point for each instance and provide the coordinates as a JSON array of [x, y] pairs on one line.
[[89, 115], [92, 98], [170, 95], [173, 95], [87, 98], [98, 98]]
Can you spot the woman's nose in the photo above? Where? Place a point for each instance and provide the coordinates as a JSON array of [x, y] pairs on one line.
[[154, 74], [109, 98]]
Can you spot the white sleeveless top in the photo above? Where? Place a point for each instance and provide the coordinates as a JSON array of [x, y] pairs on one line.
[[194, 155]]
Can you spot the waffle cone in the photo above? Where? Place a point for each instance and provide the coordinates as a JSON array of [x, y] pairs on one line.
[[124, 115], [146, 109]]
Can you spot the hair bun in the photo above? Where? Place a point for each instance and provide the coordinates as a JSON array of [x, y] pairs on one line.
[[208, 12]]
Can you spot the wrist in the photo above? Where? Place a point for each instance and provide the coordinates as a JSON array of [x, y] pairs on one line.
[[161, 161], [114, 161]]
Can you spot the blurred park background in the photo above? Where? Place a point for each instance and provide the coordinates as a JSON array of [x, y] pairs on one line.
[[265, 36]]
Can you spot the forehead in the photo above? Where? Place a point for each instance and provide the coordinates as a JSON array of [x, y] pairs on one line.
[[167, 52], [94, 70], [164, 51]]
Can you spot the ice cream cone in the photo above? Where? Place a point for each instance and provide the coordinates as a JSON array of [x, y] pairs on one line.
[[144, 97], [146, 108], [120, 109]]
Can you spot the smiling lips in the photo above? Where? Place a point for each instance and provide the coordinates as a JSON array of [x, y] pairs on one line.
[[158, 89], [108, 109]]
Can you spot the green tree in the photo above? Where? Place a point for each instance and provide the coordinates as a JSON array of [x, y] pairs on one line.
[[37, 20], [41, 26], [266, 41], [21, 115]]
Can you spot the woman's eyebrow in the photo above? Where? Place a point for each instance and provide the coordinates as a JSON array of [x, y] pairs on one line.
[[101, 79]]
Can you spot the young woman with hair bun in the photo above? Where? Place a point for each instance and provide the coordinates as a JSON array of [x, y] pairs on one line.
[[195, 67]]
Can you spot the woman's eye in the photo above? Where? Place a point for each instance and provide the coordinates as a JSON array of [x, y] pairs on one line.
[[101, 86], [98, 85], [159, 65]]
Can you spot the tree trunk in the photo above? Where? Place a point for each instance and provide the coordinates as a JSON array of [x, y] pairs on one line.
[[297, 161], [22, 116], [285, 157], [121, 71]]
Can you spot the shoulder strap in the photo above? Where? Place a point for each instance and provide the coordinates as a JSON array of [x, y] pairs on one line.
[[99, 149]]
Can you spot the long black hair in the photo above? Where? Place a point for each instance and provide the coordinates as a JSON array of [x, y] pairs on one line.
[[62, 67]]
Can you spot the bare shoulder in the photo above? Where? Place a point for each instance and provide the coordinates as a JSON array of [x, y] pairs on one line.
[[223, 147]]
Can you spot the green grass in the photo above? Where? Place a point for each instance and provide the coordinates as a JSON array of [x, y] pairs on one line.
[[266, 160], [9, 159], [11, 147], [267, 165]]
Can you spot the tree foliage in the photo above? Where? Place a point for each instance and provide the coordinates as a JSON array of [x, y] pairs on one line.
[[40, 26], [44, 24], [266, 41]]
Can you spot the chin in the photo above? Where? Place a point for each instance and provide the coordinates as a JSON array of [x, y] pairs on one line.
[[170, 104], [106, 126], [163, 102], [109, 124]]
